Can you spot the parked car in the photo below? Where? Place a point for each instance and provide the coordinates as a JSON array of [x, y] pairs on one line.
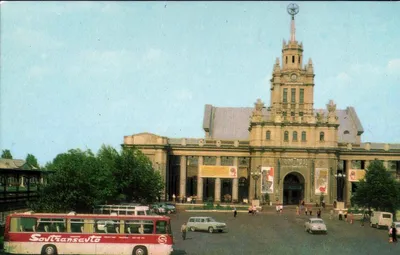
[[379, 219], [164, 208], [314, 225], [205, 224], [395, 224]]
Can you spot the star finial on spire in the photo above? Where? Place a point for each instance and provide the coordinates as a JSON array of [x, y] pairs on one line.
[[293, 9]]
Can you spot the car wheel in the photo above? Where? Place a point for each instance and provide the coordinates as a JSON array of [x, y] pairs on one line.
[[211, 230], [192, 229]]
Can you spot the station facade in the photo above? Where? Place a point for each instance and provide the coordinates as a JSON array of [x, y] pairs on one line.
[[288, 150]]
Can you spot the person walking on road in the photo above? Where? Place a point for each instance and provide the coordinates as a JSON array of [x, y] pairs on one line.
[[184, 230], [394, 234], [234, 212]]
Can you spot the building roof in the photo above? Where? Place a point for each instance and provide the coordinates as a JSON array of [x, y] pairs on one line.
[[15, 164], [232, 123]]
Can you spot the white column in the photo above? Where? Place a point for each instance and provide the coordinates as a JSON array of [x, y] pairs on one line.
[[22, 181], [182, 177], [199, 181], [217, 187], [235, 181]]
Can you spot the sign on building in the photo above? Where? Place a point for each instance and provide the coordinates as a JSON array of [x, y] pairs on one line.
[[267, 179], [355, 175], [321, 181], [218, 171]]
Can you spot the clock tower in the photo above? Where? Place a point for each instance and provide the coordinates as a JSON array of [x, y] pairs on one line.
[[292, 84]]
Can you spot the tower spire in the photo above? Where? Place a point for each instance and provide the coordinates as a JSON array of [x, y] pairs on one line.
[[293, 9], [292, 30]]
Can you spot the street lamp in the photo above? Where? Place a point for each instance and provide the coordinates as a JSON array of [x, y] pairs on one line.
[[340, 184], [256, 175]]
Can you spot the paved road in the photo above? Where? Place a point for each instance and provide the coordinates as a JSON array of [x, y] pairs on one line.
[[269, 233]]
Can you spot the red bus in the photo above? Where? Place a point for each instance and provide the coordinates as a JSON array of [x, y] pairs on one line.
[[53, 233]]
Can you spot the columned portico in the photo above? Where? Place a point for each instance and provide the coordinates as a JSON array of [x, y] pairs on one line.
[[217, 189], [235, 182], [182, 178], [199, 181]]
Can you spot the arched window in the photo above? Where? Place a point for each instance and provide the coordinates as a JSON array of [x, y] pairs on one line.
[[346, 132], [295, 136], [292, 59], [321, 136], [286, 136], [303, 136], [268, 135], [299, 59]]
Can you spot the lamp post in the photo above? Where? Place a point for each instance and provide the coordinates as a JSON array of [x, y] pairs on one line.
[[255, 174], [340, 177]]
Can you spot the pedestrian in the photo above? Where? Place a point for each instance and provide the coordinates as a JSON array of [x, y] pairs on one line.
[[394, 234], [363, 220], [306, 210], [250, 209], [234, 212], [254, 209], [297, 210], [277, 208], [319, 213], [184, 230], [310, 211], [331, 214], [345, 216], [340, 215], [351, 217]]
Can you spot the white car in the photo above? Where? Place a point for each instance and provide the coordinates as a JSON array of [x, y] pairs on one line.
[[396, 224], [314, 225]]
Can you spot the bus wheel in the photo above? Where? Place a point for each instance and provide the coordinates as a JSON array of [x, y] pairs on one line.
[[49, 250], [140, 250]]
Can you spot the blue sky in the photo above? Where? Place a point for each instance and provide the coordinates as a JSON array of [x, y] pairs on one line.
[[80, 74]]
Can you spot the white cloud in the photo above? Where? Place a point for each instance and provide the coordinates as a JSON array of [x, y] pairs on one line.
[[38, 72], [184, 95], [393, 66], [343, 77]]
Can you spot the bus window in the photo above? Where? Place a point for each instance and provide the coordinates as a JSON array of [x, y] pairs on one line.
[[139, 227], [106, 226], [77, 225], [161, 227], [23, 224]]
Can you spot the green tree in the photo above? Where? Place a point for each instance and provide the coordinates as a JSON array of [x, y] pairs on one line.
[[379, 190], [82, 180], [31, 160], [6, 154], [77, 184]]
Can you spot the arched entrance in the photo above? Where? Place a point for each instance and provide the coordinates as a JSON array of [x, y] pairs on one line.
[[243, 189], [293, 188]]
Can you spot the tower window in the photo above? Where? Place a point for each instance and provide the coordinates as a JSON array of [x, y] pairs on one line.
[[284, 114], [285, 95], [292, 59], [301, 114], [321, 136], [346, 132], [303, 136], [299, 59], [292, 114], [268, 135], [286, 136], [301, 96], [293, 97], [295, 136], [286, 59]]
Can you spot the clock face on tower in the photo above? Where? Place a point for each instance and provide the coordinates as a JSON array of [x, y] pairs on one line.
[[293, 77]]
